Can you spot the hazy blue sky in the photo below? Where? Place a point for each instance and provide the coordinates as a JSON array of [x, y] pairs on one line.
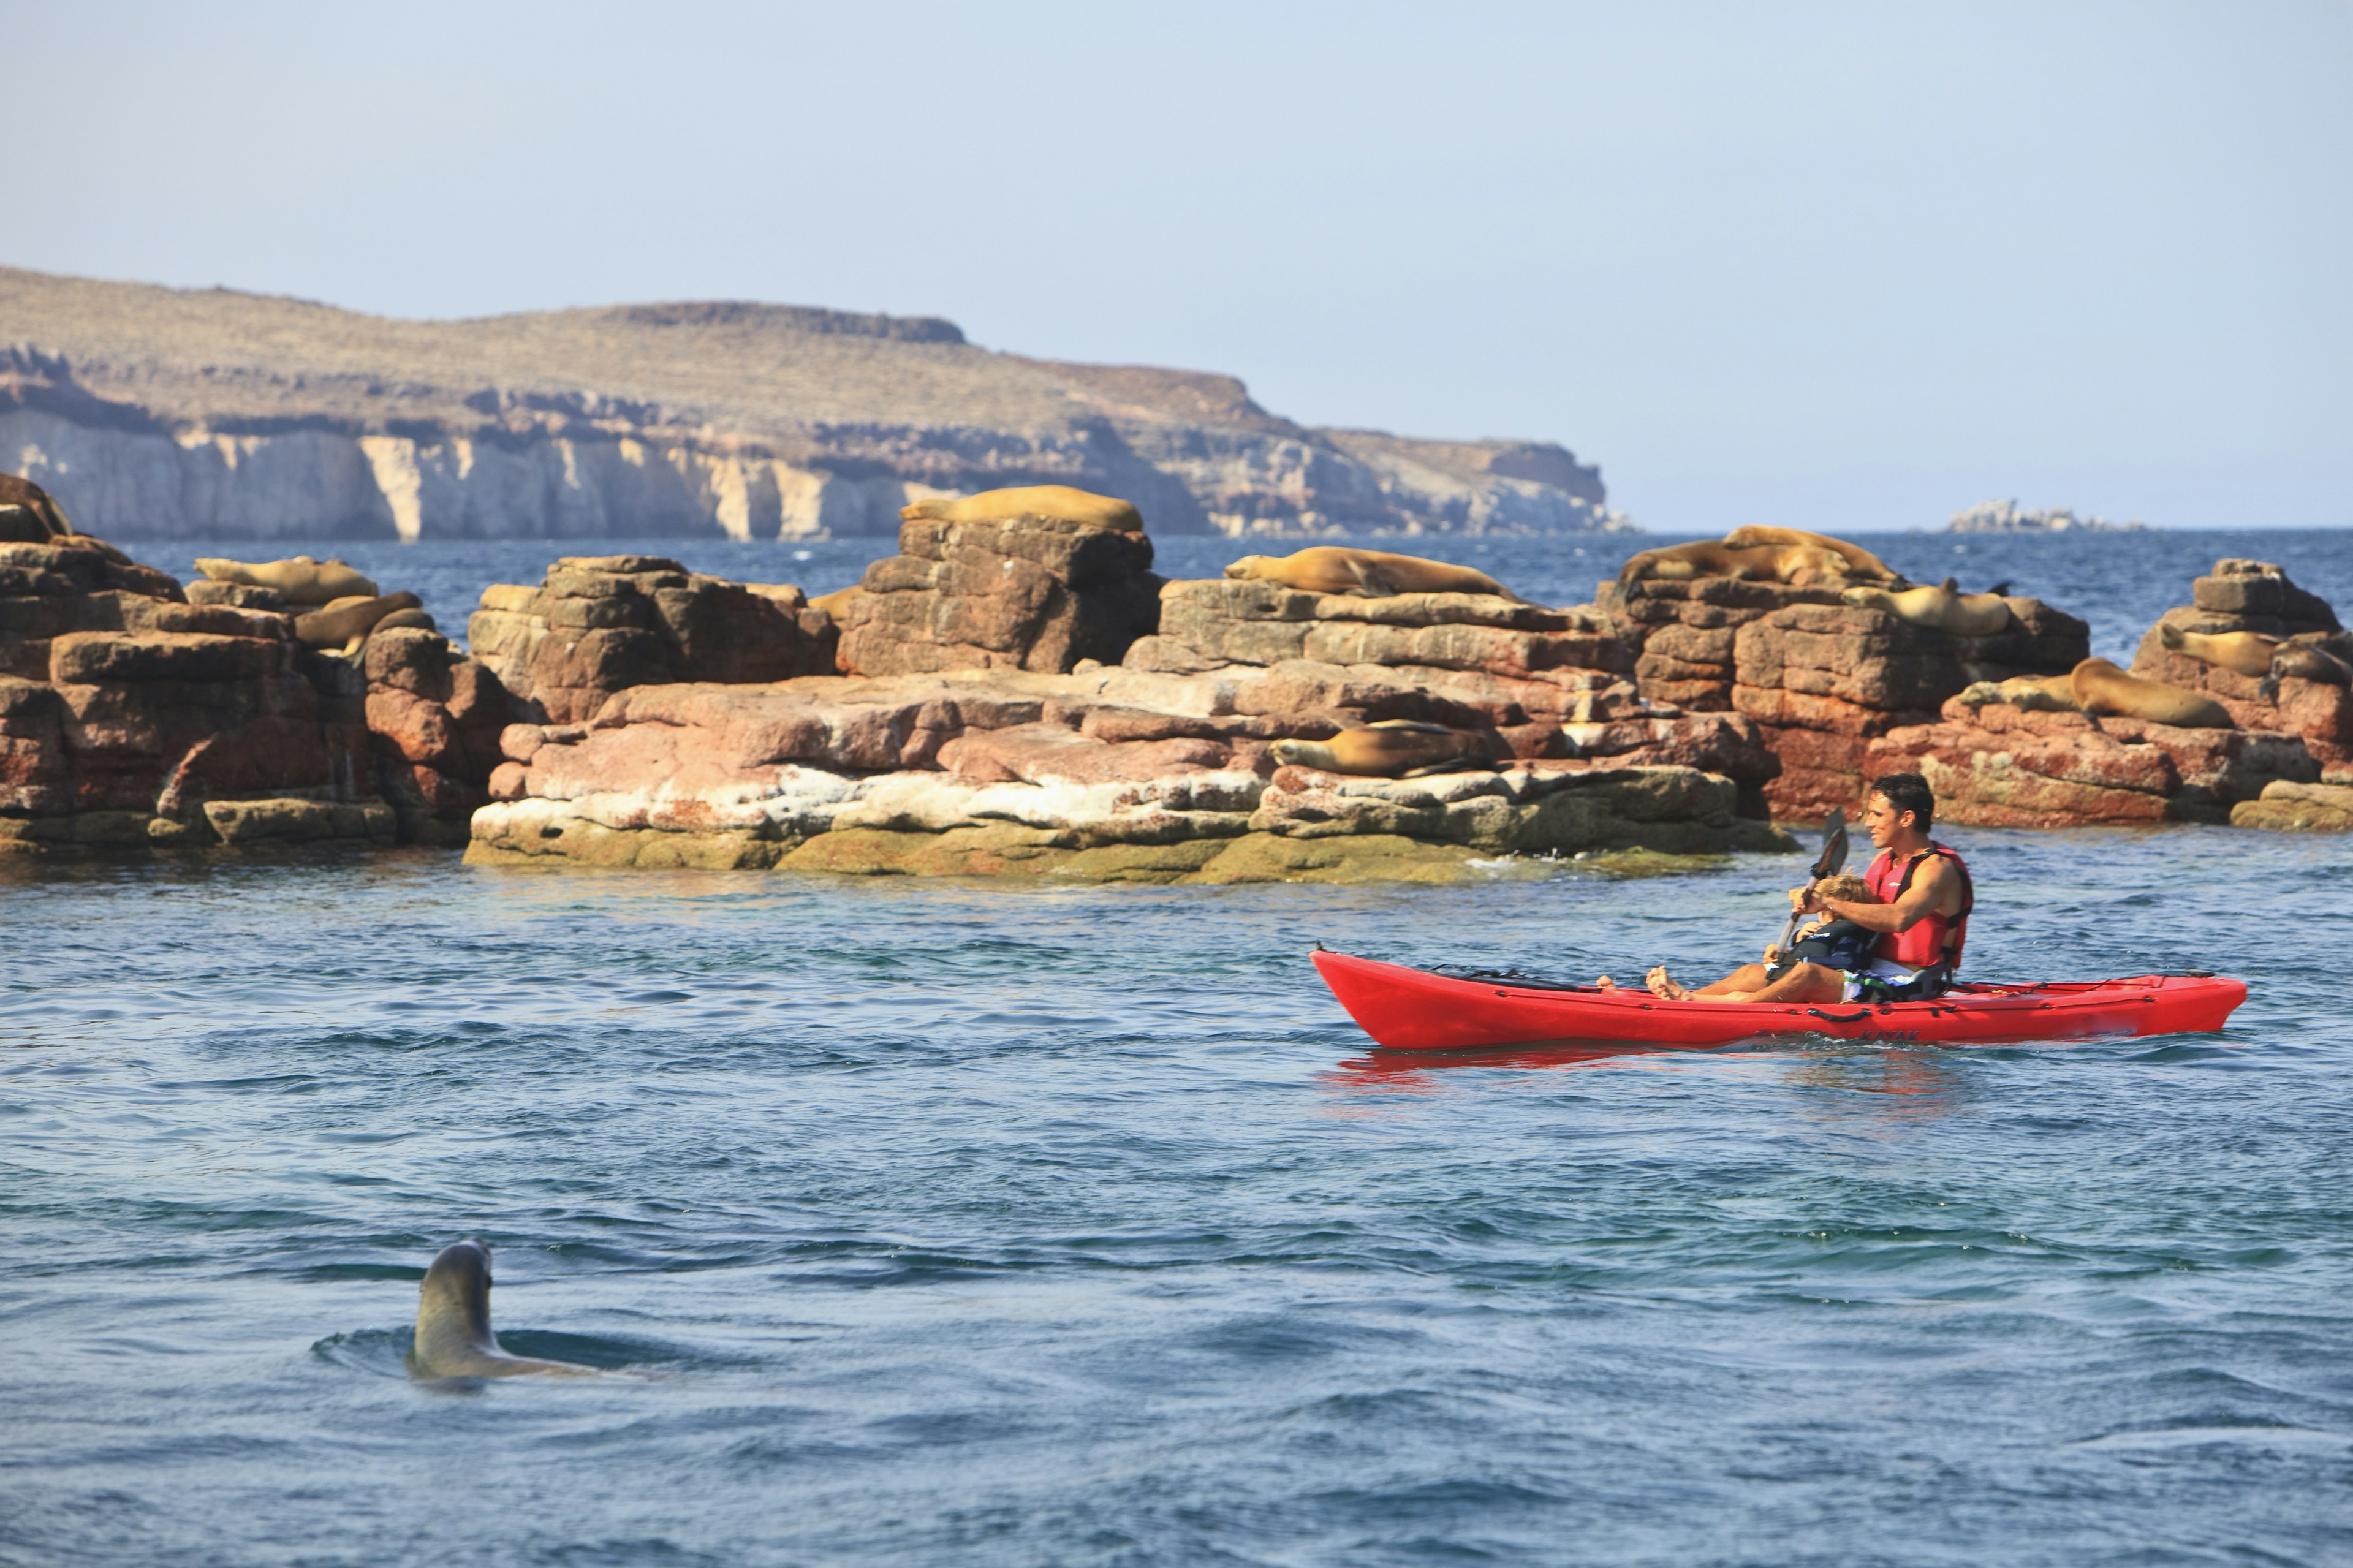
[[1847, 265]]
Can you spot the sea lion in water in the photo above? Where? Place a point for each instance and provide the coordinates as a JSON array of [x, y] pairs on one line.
[[1061, 502], [1860, 562], [303, 581], [1939, 608], [343, 619], [2101, 687], [453, 1323], [1795, 564], [1394, 748], [1370, 573]]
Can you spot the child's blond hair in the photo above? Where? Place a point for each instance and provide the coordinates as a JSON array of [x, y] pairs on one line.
[[1847, 888]]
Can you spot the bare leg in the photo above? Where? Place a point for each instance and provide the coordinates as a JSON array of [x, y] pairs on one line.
[[1747, 977], [1807, 983]]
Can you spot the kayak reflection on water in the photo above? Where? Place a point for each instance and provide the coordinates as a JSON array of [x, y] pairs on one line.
[[1917, 899]]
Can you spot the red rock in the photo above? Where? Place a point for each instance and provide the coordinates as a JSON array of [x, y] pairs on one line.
[[1033, 593], [2004, 767], [598, 624]]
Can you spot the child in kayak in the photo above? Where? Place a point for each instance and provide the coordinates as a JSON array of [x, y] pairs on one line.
[[1919, 904], [1832, 941]]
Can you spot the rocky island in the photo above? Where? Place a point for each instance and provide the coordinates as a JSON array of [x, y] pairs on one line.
[[159, 413], [1017, 692]]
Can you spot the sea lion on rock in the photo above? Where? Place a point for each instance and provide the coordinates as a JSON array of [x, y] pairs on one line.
[[2306, 662], [1939, 608], [2035, 693], [2101, 687], [1392, 749], [453, 1323], [2257, 656], [2249, 653], [837, 604], [1370, 573], [1060, 501], [1860, 562], [1795, 564], [342, 619], [32, 516], [303, 581]]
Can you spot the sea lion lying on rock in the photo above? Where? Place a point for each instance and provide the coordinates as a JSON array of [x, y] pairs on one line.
[[1059, 502], [2101, 687], [303, 581], [1392, 749], [27, 514], [1368, 574], [2305, 662], [2036, 693], [1860, 562], [1795, 564], [837, 604], [2257, 656], [1939, 608], [342, 621], [453, 1323]]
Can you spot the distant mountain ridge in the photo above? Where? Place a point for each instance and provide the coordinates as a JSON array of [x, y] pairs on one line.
[[166, 413]]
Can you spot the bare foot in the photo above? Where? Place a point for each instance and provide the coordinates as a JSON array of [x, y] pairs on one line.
[[1663, 986], [1605, 984]]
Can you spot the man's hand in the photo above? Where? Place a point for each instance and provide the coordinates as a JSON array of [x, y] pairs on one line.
[[1772, 955]]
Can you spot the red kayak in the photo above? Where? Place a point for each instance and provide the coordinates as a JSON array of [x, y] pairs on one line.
[[1416, 1010]]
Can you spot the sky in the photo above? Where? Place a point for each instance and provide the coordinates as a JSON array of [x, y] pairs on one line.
[[1846, 267]]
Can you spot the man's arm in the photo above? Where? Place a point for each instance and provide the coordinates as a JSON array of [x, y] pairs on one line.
[[1929, 885]]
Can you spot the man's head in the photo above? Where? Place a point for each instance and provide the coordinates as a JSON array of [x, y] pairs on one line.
[[1901, 807]]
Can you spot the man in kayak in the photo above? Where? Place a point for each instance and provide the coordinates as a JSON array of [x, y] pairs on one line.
[[1922, 915]]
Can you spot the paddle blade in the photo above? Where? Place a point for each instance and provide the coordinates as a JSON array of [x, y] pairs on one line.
[[1833, 855]]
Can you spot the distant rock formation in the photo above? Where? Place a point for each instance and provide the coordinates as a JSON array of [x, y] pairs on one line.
[[161, 412], [2004, 517]]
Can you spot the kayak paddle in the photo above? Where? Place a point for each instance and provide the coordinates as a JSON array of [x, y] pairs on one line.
[[1826, 864]]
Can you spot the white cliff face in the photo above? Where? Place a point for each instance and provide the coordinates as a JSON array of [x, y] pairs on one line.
[[152, 413], [313, 484]]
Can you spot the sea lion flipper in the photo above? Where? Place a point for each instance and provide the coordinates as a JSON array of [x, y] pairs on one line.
[[1370, 581], [2000, 589], [2170, 635]]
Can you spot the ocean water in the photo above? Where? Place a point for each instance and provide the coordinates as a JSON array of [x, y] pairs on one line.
[[962, 1223]]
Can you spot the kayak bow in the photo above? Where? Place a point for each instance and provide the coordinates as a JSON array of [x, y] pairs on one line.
[[1416, 1010]]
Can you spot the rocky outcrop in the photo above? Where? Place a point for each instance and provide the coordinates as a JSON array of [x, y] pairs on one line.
[[1114, 772], [159, 413], [128, 716], [1037, 594], [2002, 766], [1821, 680], [601, 624], [2257, 596], [1538, 683], [2286, 806], [434, 718]]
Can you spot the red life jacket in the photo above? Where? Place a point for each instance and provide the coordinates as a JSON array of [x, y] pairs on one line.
[[1933, 937]]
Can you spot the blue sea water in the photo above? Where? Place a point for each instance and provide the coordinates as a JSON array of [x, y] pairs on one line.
[[964, 1223]]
